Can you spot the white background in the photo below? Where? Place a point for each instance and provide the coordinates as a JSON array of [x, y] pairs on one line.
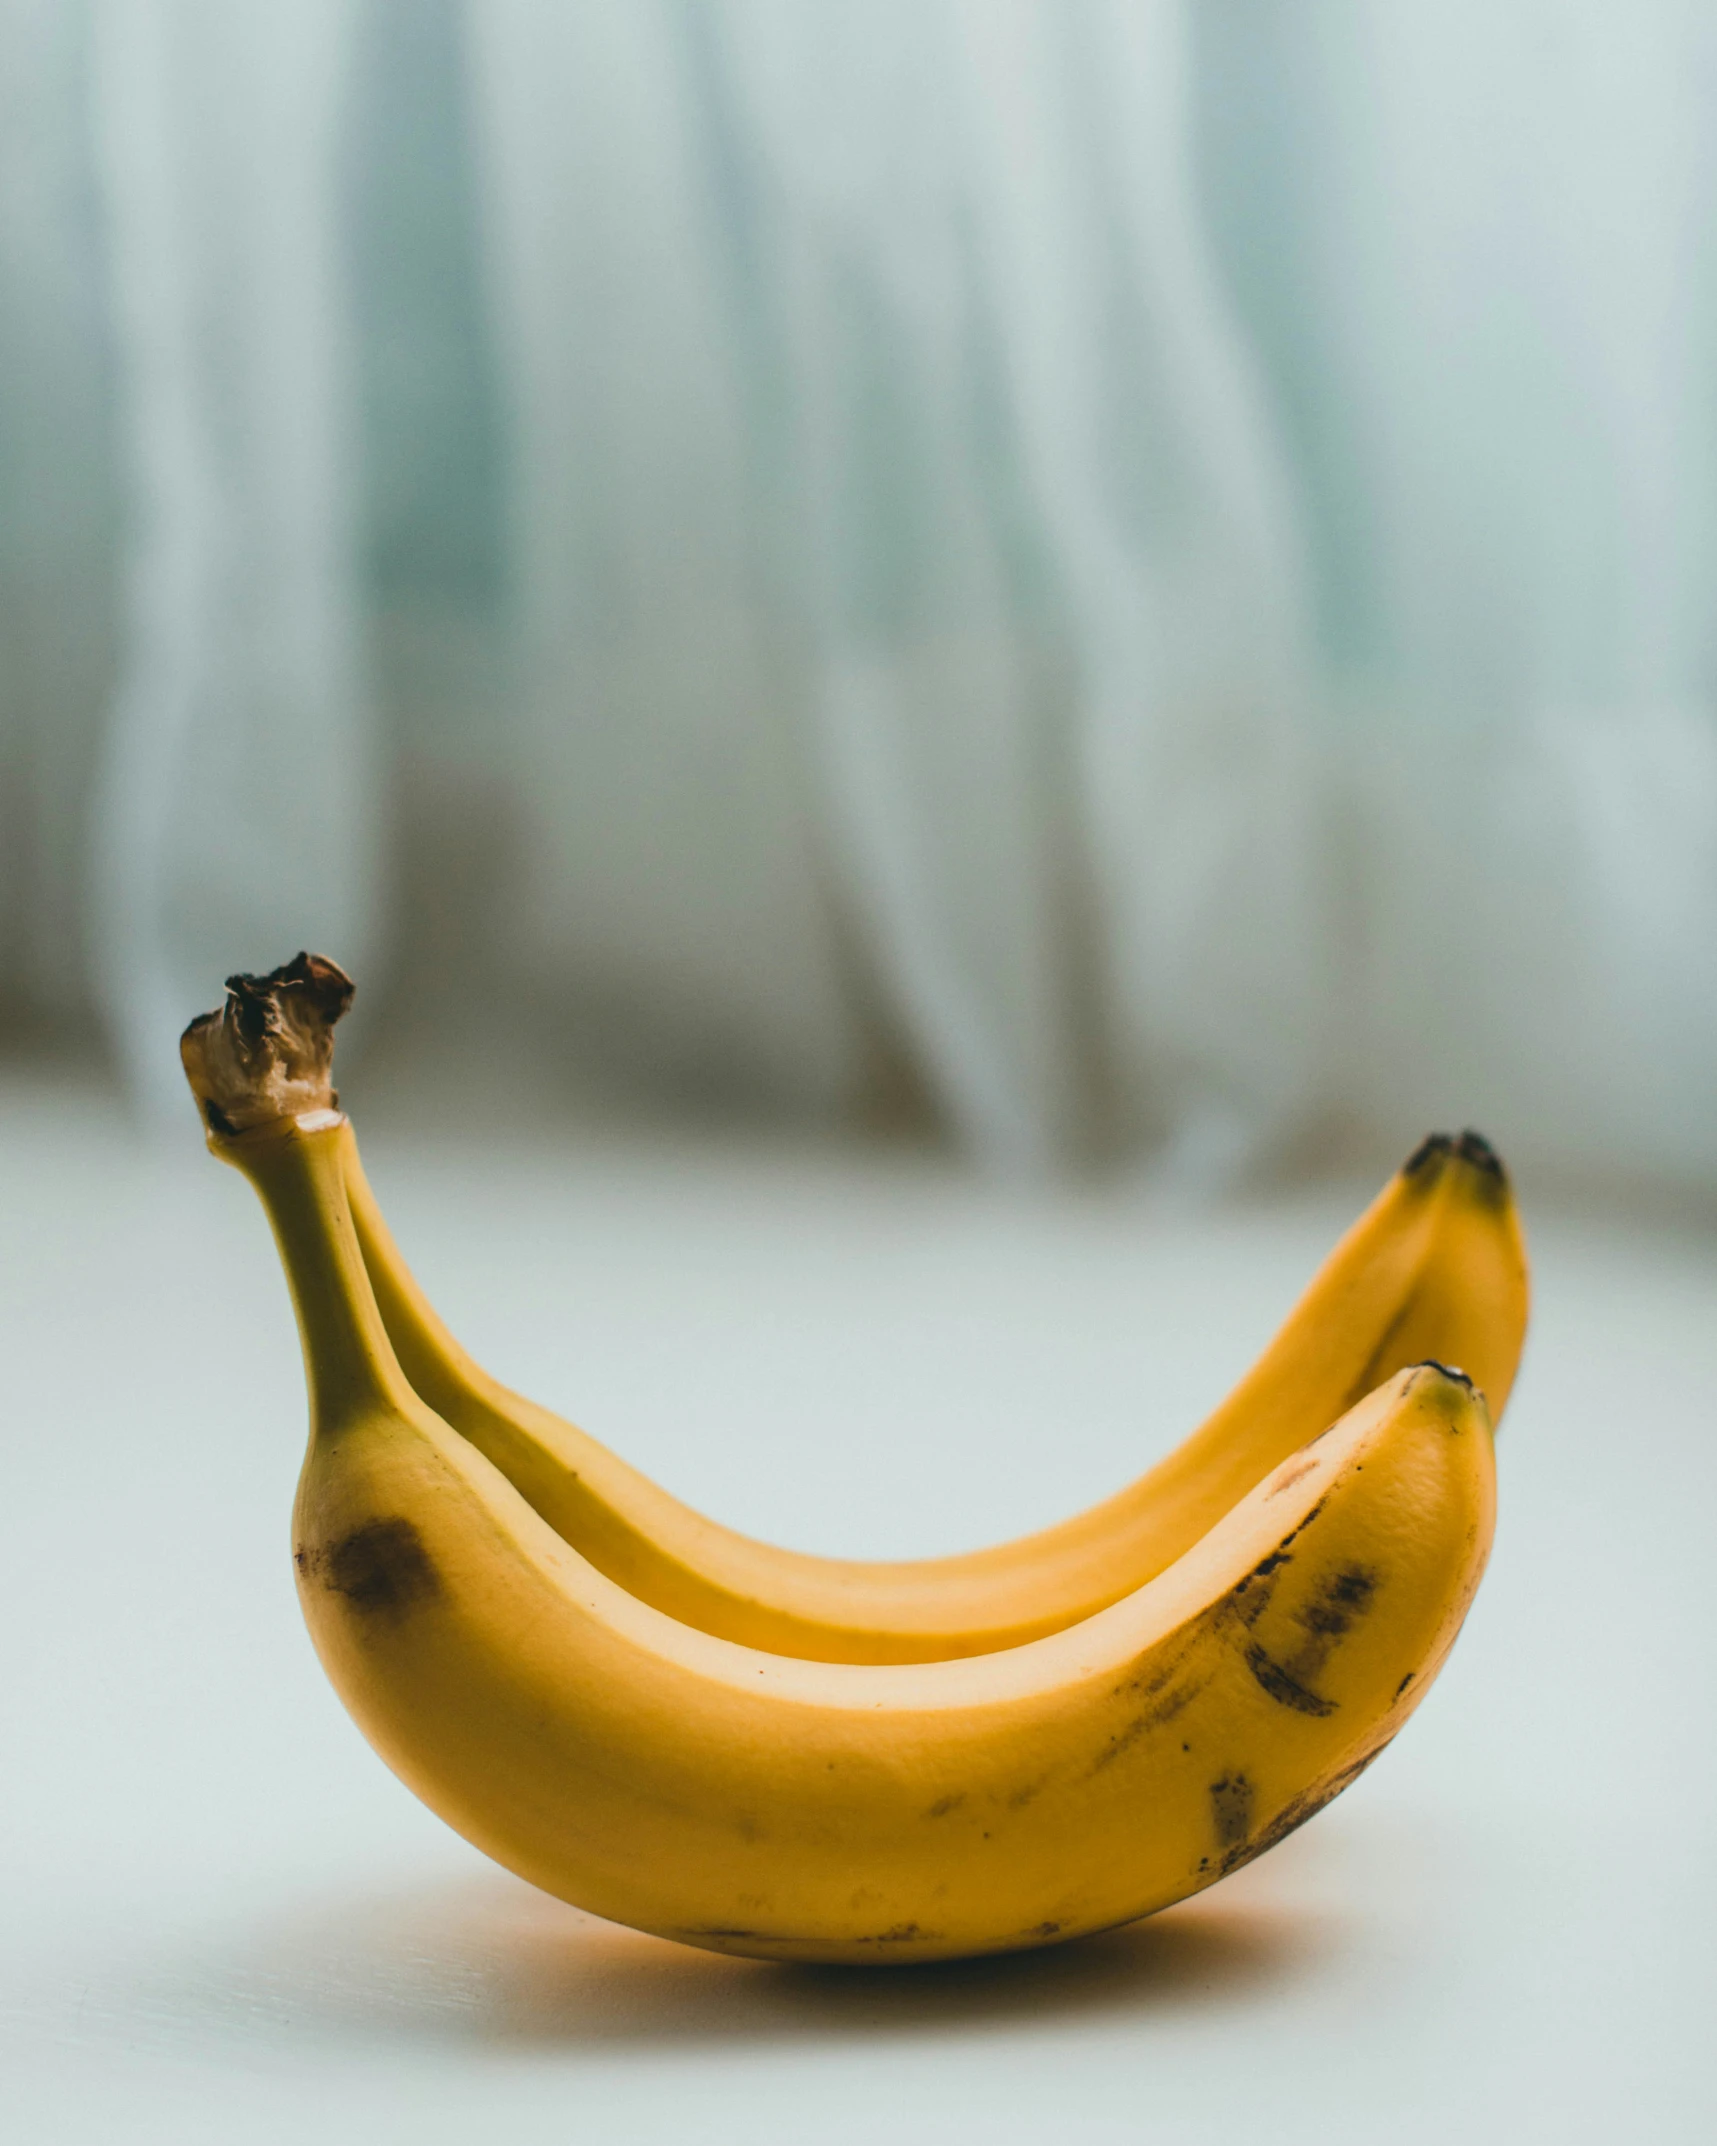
[[223, 1920]]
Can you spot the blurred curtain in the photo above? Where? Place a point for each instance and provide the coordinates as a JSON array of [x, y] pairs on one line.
[[232, 804], [1134, 570], [907, 586]]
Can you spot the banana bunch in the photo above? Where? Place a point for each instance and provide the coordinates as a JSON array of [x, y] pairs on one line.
[[761, 1752]]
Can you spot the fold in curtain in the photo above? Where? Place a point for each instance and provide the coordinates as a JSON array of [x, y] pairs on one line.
[[909, 586], [234, 806], [1475, 249], [58, 501], [1143, 563]]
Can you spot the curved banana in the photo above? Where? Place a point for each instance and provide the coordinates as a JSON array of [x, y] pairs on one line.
[[1436, 1268], [753, 1803]]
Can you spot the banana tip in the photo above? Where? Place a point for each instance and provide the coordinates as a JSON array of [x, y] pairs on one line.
[[1469, 1147]]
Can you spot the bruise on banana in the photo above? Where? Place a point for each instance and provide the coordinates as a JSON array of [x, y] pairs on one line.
[[381, 1568], [1335, 1606], [1165, 1690], [1231, 1812], [1161, 1691], [1231, 1801], [1341, 1600]]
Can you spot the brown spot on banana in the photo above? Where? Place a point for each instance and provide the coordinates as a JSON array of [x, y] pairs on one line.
[[1283, 1688], [1162, 1710], [1160, 1672], [1343, 1600], [1338, 1604], [381, 1568], [1231, 1811], [1295, 1813], [1294, 1475]]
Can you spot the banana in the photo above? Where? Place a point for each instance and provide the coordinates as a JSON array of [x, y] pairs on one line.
[[750, 1802], [1436, 1268]]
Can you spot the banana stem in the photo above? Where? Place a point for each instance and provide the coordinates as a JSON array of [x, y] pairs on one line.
[[349, 1364], [261, 1068]]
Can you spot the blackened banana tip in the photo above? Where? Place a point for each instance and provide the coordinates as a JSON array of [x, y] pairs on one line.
[[1475, 1148], [1433, 1148]]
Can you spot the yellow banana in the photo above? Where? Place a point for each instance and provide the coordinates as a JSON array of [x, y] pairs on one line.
[[1436, 1268], [750, 1802]]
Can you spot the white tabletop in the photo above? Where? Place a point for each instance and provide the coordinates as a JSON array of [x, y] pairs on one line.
[[223, 1920]]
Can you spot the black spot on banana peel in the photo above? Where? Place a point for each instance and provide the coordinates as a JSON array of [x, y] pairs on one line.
[[380, 1568], [1161, 1673], [1248, 1604], [1283, 1688], [1293, 1815], [1332, 1610], [1341, 1601], [1231, 1810], [1154, 1716], [1165, 1692]]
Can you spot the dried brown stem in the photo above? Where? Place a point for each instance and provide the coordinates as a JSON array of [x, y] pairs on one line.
[[268, 1051]]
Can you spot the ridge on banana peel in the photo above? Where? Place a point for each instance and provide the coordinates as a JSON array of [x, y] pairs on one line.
[[1435, 1268], [754, 1803]]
